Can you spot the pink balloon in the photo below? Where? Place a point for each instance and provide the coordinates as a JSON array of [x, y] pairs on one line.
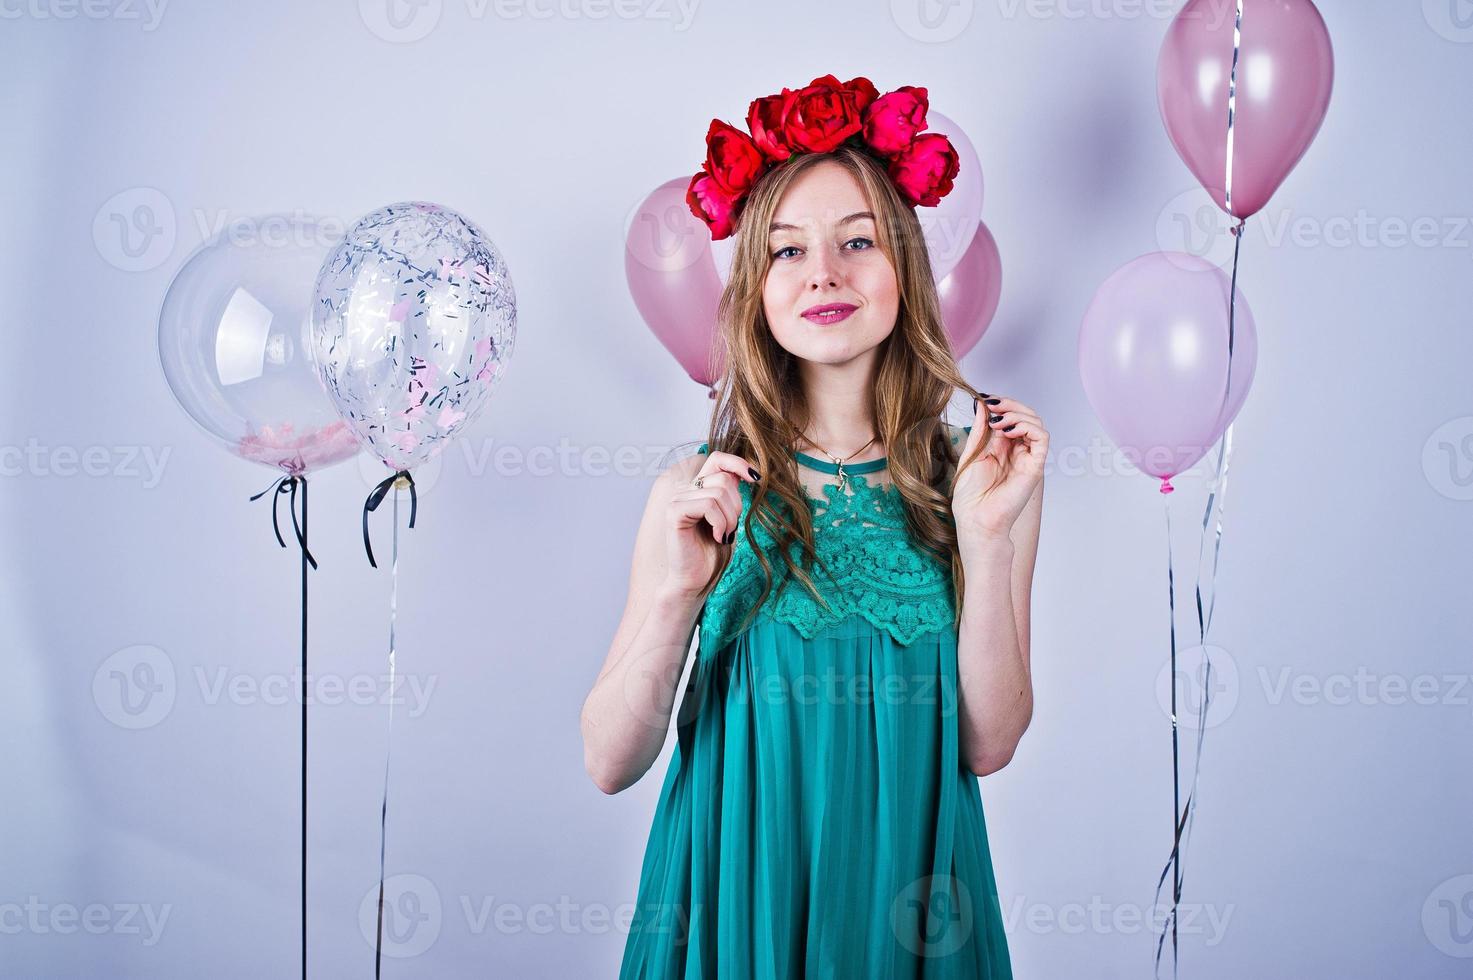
[[969, 295], [667, 260], [1153, 355], [1285, 71]]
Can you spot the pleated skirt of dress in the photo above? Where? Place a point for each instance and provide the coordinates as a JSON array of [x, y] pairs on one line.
[[816, 820]]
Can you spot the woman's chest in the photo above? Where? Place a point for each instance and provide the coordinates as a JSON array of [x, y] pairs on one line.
[[865, 564]]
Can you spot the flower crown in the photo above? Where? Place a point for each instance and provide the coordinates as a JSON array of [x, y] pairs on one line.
[[820, 118]]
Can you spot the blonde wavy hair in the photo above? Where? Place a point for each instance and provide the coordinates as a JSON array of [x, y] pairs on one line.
[[760, 405]]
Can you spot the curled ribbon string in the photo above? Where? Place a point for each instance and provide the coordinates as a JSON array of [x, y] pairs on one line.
[[1237, 230], [1237, 233], [389, 740], [1216, 499], [376, 497], [1183, 817], [1232, 107], [288, 485], [1173, 862]]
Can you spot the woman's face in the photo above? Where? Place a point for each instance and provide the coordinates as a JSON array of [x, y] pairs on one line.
[[824, 254]]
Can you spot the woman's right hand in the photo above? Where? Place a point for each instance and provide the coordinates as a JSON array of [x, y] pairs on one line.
[[702, 520]]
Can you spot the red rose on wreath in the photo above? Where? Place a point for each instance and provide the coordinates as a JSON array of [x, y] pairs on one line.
[[895, 118], [765, 121], [923, 172], [818, 118], [713, 205], [864, 92], [732, 159]]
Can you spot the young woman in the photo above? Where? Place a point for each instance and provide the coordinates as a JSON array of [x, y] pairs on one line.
[[863, 651]]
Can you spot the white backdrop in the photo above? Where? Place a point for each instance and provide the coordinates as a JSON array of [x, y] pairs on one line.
[[1333, 836]]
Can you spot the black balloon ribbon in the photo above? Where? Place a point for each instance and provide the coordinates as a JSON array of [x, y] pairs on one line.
[[376, 497], [287, 485]]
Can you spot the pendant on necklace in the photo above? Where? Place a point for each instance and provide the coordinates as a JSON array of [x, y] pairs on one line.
[[843, 477]]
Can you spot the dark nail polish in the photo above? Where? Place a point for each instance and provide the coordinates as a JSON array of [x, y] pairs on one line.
[[1010, 428], [754, 473], [994, 418], [984, 394], [994, 401], [730, 536], [974, 406]]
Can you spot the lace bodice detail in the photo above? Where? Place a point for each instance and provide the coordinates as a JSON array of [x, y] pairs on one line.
[[877, 572]]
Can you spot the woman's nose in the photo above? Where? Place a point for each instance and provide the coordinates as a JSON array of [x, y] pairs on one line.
[[825, 270]]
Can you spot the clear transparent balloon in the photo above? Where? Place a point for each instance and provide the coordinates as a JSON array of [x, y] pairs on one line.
[[414, 321], [235, 343]]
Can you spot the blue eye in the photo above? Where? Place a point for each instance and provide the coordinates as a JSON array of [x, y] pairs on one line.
[[868, 244]]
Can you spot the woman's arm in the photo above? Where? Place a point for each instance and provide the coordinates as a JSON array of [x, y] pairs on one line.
[[627, 713], [993, 665]]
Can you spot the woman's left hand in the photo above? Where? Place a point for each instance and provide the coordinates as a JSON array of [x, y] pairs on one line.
[[988, 495]]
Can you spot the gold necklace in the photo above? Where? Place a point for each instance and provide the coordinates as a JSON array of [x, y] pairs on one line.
[[839, 461]]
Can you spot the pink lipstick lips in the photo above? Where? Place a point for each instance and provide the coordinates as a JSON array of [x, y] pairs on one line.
[[829, 312]]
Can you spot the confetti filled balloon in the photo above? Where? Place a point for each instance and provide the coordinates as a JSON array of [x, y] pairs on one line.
[[414, 321], [234, 341]]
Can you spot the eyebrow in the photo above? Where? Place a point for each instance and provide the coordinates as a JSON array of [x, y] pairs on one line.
[[781, 226]]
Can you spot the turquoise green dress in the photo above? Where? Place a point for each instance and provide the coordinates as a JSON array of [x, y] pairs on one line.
[[817, 820]]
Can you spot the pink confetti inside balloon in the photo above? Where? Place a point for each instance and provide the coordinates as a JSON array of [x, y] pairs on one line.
[[414, 321]]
